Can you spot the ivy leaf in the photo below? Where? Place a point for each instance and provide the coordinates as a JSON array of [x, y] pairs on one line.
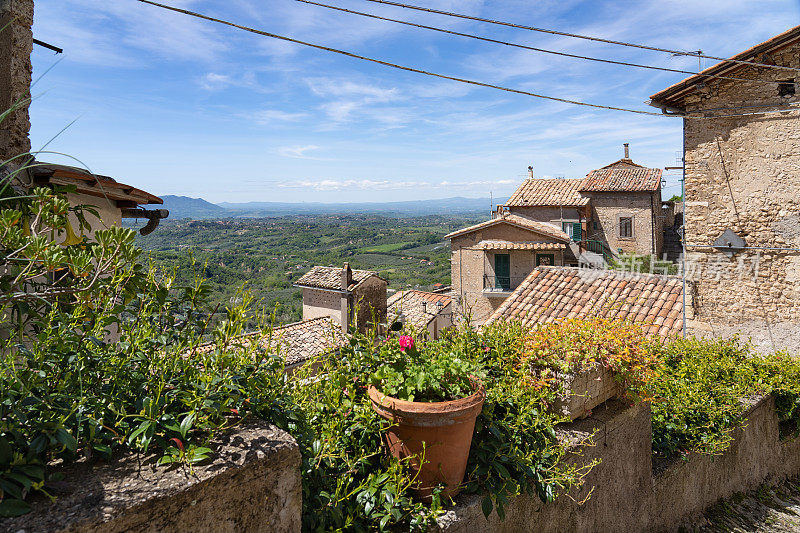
[[486, 506], [13, 507]]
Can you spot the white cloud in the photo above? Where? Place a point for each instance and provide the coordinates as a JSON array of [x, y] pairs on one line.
[[269, 117], [297, 152]]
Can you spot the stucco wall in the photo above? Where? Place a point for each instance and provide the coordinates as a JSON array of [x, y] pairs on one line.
[[16, 44], [469, 266], [318, 303], [743, 173], [607, 208], [552, 215], [109, 213], [252, 484]]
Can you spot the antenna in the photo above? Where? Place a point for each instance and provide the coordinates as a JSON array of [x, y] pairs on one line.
[[491, 203]]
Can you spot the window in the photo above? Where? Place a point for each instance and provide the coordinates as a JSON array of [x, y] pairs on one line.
[[595, 225], [572, 229], [626, 227], [786, 88], [502, 271]]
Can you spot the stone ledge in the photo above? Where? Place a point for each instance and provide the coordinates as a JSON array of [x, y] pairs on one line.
[[251, 484]]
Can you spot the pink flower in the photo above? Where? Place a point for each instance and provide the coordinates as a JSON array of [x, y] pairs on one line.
[[405, 341]]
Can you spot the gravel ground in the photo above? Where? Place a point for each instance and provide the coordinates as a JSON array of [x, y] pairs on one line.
[[784, 335], [769, 509]]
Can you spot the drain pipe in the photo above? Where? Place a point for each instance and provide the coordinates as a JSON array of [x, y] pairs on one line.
[[153, 217]]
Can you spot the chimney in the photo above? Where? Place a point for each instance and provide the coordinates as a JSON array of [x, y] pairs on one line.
[[344, 304], [627, 151], [530, 172], [16, 44]]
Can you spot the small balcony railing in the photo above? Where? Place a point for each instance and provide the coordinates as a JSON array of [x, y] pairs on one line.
[[501, 284]]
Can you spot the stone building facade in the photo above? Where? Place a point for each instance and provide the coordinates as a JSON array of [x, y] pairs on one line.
[[349, 297], [16, 44], [742, 172], [489, 260]]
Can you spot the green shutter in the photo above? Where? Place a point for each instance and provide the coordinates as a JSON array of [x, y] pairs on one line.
[[576, 231]]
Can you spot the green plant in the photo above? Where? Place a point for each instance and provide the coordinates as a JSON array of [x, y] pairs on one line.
[[633, 262], [413, 374]]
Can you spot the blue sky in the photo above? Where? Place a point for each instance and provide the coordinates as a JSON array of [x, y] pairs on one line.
[[175, 105]]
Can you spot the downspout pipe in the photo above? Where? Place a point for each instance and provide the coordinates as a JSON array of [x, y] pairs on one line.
[[153, 217]]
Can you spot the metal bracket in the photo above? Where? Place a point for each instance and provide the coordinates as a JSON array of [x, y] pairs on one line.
[[729, 243]]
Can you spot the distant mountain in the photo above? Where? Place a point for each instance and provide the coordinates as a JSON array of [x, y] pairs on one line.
[[185, 207], [441, 206], [197, 208]]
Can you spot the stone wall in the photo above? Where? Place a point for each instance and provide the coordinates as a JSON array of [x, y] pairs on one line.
[[627, 493], [252, 484], [644, 208], [369, 302], [16, 44], [743, 173]]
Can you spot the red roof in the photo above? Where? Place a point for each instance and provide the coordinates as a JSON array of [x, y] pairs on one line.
[[548, 192], [622, 175], [90, 184], [542, 228], [550, 294]]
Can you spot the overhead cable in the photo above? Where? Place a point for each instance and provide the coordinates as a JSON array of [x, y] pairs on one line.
[[395, 65], [579, 36], [532, 48]]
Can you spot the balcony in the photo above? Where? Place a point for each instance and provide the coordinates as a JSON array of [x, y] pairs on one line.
[[500, 286]]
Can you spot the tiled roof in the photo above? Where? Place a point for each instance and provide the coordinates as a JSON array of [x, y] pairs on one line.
[[303, 340], [295, 342], [674, 94], [322, 277], [550, 294], [91, 184], [622, 175], [543, 228], [548, 192], [508, 245], [409, 303]]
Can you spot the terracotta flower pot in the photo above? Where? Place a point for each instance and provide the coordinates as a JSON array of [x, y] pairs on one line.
[[445, 428]]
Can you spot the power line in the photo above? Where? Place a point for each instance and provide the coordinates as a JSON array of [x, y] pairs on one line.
[[579, 36], [535, 49], [395, 65]]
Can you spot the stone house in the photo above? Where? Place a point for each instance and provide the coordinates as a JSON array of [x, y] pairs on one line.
[[742, 177], [426, 311], [616, 208], [489, 260], [349, 297]]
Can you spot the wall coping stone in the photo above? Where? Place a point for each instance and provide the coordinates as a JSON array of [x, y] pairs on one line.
[[252, 483]]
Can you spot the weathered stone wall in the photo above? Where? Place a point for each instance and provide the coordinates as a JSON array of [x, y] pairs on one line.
[[743, 173], [607, 208], [369, 301], [16, 44], [469, 266], [252, 484], [626, 493]]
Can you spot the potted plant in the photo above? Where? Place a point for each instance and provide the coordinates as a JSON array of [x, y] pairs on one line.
[[432, 399]]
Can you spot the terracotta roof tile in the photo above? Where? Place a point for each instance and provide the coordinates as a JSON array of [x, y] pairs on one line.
[[542, 228], [527, 245], [322, 277], [409, 304], [622, 176], [295, 342], [554, 293], [548, 192]]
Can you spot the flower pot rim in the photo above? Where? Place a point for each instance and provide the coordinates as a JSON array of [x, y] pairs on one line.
[[391, 408]]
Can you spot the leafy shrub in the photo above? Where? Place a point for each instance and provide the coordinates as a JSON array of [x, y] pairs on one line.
[[699, 387], [71, 390]]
